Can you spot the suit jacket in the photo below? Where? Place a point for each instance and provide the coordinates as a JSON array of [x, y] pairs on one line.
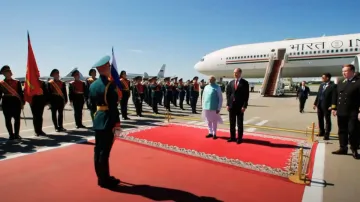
[[303, 94], [238, 97], [346, 100], [326, 95]]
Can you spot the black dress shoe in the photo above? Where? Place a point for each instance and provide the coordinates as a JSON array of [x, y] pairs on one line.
[[208, 136], [340, 152], [239, 141], [231, 140], [214, 137], [18, 137], [326, 138], [355, 154]]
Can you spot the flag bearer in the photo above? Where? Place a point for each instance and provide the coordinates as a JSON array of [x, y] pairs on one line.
[[155, 91], [37, 105], [168, 93], [125, 95], [77, 95], [194, 94], [104, 95], [12, 97], [181, 91], [58, 99], [137, 95]]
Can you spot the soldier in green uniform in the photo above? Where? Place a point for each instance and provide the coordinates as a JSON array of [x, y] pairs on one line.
[[12, 97], [89, 81], [137, 94], [194, 94], [175, 93], [155, 91], [167, 89], [346, 106], [37, 106], [103, 94], [77, 94], [187, 90], [181, 91], [146, 92]]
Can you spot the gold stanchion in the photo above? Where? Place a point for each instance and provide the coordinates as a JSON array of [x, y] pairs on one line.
[[312, 135], [298, 177], [167, 116]]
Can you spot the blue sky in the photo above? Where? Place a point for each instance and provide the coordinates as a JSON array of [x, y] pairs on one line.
[[148, 33]]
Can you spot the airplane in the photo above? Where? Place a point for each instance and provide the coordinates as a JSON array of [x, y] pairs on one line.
[[309, 57], [160, 75], [66, 78]]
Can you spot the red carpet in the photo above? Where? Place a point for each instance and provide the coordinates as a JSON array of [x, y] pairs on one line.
[[265, 153], [67, 174]]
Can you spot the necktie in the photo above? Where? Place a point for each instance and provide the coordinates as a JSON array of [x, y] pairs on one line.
[[236, 84]]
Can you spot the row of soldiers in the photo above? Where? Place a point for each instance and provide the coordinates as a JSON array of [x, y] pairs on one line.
[[54, 93]]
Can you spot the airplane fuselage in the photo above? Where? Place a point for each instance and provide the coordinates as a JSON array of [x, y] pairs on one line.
[[304, 57]]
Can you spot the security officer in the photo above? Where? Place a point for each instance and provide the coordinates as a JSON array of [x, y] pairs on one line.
[[137, 94], [125, 95], [58, 99], [168, 93], [155, 91], [37, 106], [181, 91], [345, 106], [13, 102], [194, 94], [89, 81], [77, 95], [103, 94]]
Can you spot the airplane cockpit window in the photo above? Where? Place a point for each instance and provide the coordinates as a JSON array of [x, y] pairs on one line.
[[202, 60], [356, 49]]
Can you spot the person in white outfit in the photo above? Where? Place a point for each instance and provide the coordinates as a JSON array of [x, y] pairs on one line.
[[211, 105]]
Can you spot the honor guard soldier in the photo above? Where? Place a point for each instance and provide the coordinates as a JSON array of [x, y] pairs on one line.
[[12, 97], [187, 90], [37, 105], [202, 86], [137, 94], [346, 106], [161, 94], [58, 99], [125, 95], [155, 90], [103, 94], [181, 90], [168, 93], [77, 95], [194, 94], [150, 92], [174, 85], [145, 83], [89, 81]]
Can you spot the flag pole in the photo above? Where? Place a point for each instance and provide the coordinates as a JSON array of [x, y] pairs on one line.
[[24, 116]]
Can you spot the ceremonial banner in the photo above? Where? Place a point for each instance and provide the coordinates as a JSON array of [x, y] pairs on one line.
[[32, 84]]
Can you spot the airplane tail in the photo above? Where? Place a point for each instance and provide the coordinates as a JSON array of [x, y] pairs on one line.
[[161, 73], [69, 74], [146, 75]]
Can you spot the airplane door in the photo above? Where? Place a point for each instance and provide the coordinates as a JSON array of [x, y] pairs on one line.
[[286, 57]]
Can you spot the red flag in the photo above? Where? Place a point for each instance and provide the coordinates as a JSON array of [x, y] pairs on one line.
[[32, 84]]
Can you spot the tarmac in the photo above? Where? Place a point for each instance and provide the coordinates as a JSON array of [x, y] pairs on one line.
[[274, 115]]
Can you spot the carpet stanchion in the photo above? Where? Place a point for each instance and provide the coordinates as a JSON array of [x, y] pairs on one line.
[[167, 116], [311, 139], [298, 177]]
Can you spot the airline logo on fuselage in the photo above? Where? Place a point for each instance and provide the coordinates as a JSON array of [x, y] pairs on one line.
[[321, 45]]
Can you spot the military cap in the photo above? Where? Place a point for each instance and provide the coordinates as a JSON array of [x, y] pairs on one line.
[[166, 78], [54, 71], [202, 80], [137, 77], [122, 72], [195, 78], [91, 71], [154, 78], [180, 79], [74, 72], [145, 78], [4, 69], [174, 78], [101, 62]]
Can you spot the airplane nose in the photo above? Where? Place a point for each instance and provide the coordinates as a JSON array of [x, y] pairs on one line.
[[197, 66]]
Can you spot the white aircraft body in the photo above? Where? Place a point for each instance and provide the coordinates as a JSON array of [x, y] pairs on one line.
[[66, 78], [160, 75], [309, 57]]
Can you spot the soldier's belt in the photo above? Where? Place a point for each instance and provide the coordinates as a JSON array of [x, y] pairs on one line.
[[102, 108], [79, 92]]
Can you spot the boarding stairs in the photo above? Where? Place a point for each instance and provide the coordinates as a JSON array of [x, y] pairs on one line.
[[272, 79]]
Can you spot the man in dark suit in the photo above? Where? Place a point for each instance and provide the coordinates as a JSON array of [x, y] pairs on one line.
[[237, 95], [346, 105], [302, 94], [323, 102]]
